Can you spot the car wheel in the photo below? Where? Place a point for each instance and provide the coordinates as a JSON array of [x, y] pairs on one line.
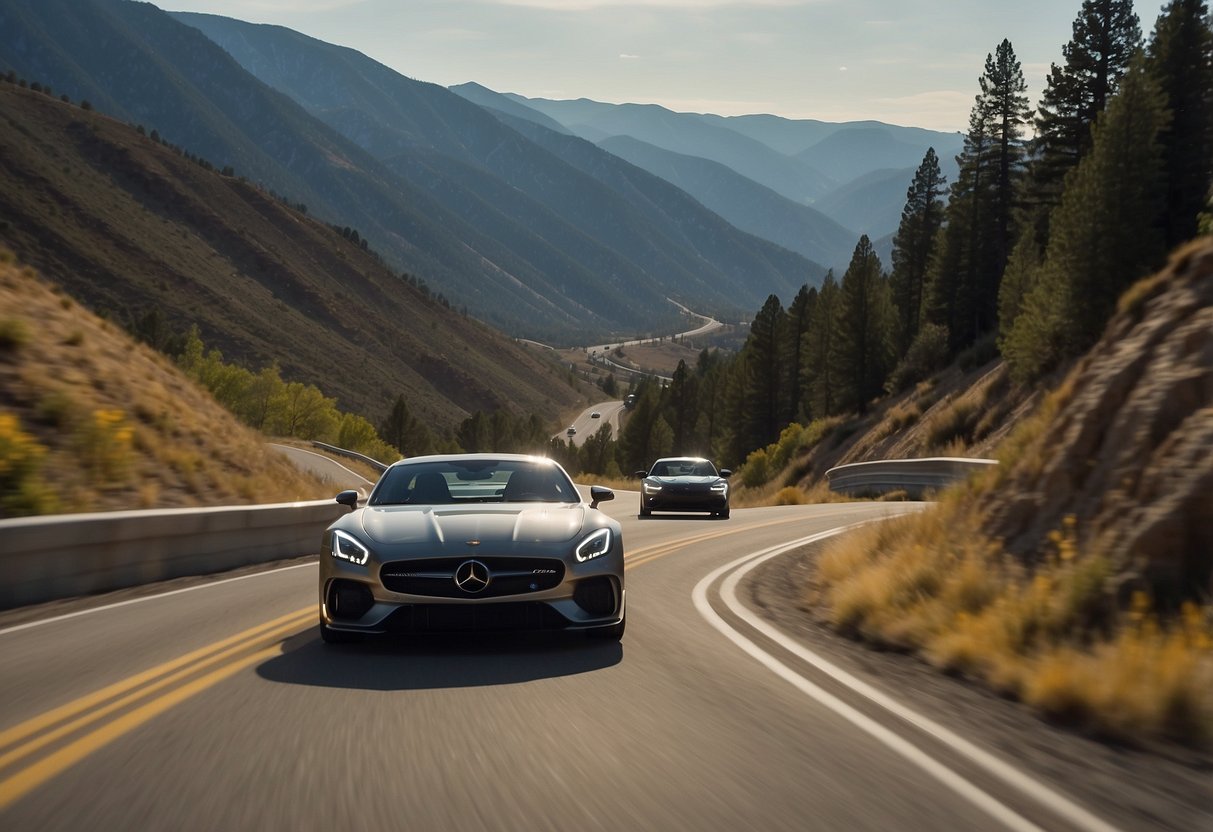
[[644, 512], [723, 515], [614, 632], [330, 636]]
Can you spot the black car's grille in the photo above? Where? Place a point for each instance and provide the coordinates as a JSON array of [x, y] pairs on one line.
[[464, 618], [435, 577]]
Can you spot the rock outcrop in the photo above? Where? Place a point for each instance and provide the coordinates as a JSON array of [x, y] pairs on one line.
[[1129, 451]]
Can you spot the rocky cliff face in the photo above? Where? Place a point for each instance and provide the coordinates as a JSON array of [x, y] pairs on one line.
[[1129, 449]]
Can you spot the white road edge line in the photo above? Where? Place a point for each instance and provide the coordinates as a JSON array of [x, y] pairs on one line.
[[325, 458], [30, 624], [1061, 805]]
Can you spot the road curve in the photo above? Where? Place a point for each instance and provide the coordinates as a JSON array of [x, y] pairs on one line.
[[609, 413], [219, 708]]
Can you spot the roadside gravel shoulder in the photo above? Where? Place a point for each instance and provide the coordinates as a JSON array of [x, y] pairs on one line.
[[1157, 787]]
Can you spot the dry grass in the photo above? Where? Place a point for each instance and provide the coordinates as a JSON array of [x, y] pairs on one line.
[[98, 422], [1051, 636], [614, 483]]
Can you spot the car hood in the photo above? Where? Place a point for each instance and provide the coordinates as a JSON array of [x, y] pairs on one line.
[[686, 480], [550, 523]]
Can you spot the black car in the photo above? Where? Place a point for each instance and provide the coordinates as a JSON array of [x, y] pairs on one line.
[[684, 484]]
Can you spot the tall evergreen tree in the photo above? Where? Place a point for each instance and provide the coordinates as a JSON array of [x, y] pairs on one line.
[[965, 272], [818, 376], [1104, 236], [921, 219], [1106, 34], [862, 353], [796, 324], [405, 432], [1181, 60], [763, 375]]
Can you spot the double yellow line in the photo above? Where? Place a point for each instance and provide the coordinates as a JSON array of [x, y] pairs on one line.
[[35, 751], [137, 699]]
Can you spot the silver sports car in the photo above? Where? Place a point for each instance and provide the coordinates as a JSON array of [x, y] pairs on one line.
[[472, 542]]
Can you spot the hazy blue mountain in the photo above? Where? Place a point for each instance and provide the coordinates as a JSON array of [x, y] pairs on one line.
[[690, 135], [486, 97], [853, 152], [794, 136], [743, 202], [870, 204], [617, 254], [154, 70]]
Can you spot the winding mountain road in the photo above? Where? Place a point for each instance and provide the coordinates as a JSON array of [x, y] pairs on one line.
[[218, 707]]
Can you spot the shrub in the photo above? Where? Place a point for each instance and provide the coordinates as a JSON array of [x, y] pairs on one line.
[[927, 353], [22, 491], [14, 334], [790, 496], [756, 470], [104, 443]]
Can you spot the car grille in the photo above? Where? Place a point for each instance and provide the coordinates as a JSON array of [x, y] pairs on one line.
[[463, 618], [596, 595], [435, 577]]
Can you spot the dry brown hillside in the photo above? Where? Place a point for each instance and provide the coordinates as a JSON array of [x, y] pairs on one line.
[[129, 226], [91, 420], [1129, 454]]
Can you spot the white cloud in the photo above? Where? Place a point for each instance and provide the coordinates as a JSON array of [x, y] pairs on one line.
[[626, 57]]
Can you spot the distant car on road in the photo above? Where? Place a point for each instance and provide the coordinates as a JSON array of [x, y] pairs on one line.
[[684, 484], [595, 415], [463, 542], [572, 431]]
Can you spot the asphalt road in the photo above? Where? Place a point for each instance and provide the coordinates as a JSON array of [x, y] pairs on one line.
[[587, 425], [325, 468], [219, 708]]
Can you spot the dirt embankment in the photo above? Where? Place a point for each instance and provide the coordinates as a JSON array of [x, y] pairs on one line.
[[1130, 452]]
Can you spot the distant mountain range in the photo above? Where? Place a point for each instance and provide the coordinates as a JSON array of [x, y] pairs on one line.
[[804, 184]]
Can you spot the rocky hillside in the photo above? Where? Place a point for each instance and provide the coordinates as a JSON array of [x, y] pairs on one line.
[[1129, 452], [91, 420]]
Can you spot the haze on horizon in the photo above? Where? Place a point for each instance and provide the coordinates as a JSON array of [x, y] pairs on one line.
[[911, 62]]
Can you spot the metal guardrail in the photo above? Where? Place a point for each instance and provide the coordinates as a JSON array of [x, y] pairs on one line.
[[333, 449], [914, 476], [60, 556]]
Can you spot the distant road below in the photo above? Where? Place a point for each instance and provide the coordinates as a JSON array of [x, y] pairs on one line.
[[598, 353], [324, 468], [587, 425]]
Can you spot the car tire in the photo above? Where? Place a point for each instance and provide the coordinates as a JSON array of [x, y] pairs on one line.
[[330, 636], [644, 512], [724, 514], [613, 632]]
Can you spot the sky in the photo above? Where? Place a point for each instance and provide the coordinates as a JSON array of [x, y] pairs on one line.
[[910, 62]]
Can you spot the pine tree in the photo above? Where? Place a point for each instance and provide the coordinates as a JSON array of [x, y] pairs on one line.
[[763, 375], [1180, 57], [818, 376], [796, 324], [966, 270], [862, 350], [1106, 35], [1104, 236], [921, 220]]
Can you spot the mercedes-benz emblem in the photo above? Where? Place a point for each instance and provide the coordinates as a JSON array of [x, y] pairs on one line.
[[472, 576]]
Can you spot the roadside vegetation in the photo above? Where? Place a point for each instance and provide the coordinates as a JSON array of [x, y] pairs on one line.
[[91, 420]]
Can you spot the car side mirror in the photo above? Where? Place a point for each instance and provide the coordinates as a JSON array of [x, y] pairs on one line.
[[726, 473], [640, 474], [348, 498], [600, 494]]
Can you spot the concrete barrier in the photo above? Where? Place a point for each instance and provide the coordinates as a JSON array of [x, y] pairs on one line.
[[914, 476], [50, 557]]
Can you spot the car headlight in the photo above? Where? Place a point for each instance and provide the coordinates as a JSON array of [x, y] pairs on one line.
[[650, 487], [346, 547], [720, 487], [599, 543]]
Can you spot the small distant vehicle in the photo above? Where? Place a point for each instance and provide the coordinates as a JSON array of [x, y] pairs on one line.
[[595, 415], [472, 542], [684, 484], [572, 431]]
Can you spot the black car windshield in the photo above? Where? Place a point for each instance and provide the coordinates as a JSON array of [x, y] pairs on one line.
[[458, 481], [683, 468]]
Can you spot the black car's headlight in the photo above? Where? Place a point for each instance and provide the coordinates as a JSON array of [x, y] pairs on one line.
[[346, 547], [720, 487], [598, 543], [650, 487]]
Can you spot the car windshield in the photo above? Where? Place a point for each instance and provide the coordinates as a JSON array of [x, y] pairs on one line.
[[683, 468], [458, 481]]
